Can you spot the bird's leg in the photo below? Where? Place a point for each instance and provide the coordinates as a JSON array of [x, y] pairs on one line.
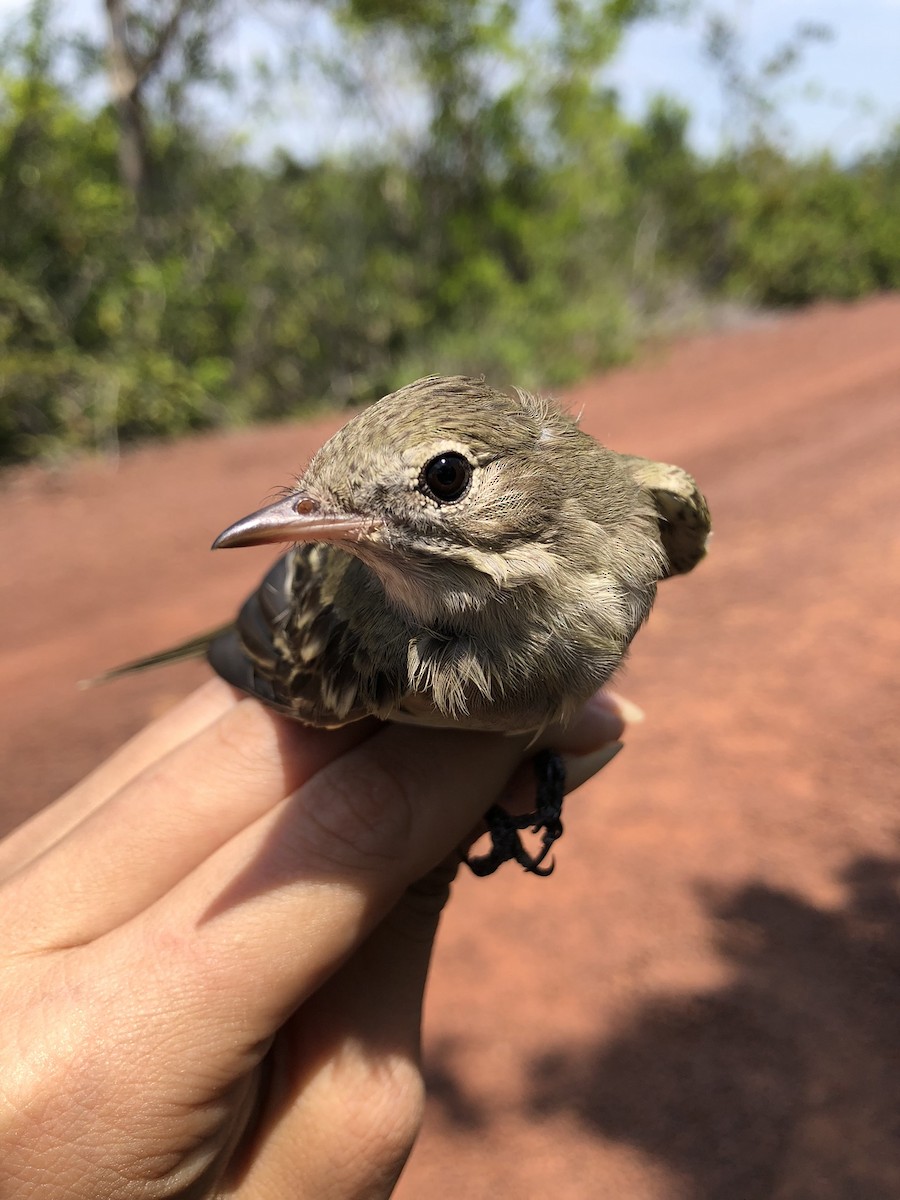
[[550, 772], [546, 820]]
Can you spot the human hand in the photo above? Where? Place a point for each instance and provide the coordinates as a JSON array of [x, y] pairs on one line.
[[214, 950]]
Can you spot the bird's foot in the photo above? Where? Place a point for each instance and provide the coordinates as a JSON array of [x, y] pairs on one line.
[[545, 820]]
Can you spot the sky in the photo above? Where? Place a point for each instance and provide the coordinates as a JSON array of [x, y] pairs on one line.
[[855, 77], [845, 97]]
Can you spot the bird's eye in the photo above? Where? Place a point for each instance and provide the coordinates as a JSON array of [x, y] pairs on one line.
[[446, 478]]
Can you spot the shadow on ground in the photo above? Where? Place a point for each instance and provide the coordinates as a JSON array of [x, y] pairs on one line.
[[447, 1089], [783, 1083]]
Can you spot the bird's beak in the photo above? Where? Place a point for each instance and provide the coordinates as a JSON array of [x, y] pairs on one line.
[[297, 518]]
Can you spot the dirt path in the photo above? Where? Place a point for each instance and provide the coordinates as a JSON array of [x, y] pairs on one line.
[[703, 1002]]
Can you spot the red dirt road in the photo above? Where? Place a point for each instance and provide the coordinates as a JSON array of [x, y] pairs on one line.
[[703, 1002]]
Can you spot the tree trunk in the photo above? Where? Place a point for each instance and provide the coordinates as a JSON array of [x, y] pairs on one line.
[[125, 85]]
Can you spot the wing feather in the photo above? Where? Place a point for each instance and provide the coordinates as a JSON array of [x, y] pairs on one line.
[[291, 645], [684, 521]]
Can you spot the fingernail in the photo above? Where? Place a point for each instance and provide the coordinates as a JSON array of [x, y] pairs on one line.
[[580, 768], [628, 710], [606, 724]]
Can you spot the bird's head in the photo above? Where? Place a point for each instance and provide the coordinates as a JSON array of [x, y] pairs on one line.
[[451, 492]]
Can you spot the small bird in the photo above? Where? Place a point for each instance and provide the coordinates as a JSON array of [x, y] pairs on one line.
[[459, 556]]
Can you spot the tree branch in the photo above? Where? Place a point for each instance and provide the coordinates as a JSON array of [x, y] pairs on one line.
[[164, 39]]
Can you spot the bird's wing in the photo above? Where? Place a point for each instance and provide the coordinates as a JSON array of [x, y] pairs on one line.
[[684, 521], [290, 645]]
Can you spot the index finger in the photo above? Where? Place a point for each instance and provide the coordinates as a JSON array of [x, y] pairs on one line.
[[174, 728]]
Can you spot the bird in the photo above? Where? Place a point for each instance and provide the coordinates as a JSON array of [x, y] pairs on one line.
[[459, 556]]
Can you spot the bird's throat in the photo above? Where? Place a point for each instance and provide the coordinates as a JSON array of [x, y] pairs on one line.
[[430, 592]]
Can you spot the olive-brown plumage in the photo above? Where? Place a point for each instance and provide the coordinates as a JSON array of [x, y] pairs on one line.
[[502, 607], [461, 556]]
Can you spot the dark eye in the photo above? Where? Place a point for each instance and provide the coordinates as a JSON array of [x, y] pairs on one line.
[[447, 477]]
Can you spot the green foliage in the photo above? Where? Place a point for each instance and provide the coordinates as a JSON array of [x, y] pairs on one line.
[[528, 232]]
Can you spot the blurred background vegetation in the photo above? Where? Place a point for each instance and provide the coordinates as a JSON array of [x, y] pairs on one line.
[[155, 277]]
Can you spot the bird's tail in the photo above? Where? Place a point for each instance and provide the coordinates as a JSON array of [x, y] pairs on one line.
[[194, 647]]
